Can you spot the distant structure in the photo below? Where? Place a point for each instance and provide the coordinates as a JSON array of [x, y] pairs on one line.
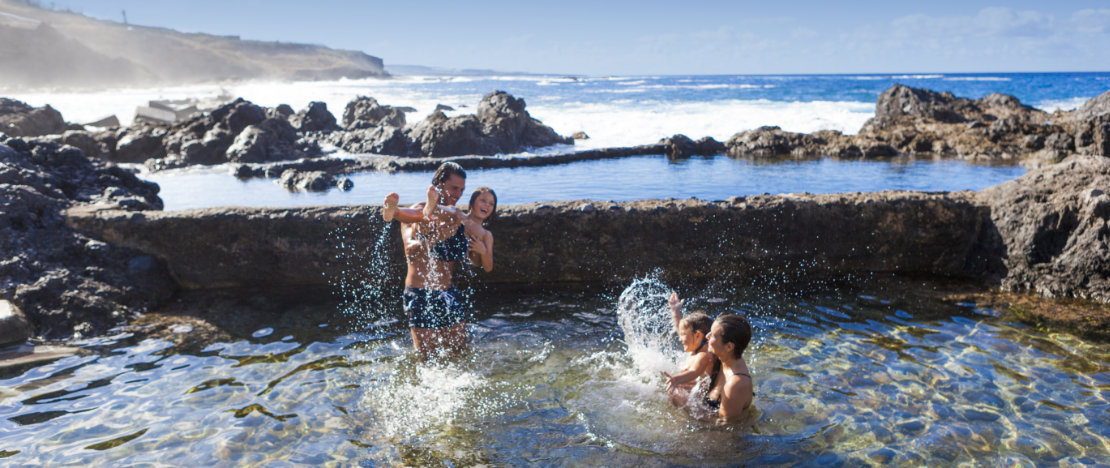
[[124, 16]]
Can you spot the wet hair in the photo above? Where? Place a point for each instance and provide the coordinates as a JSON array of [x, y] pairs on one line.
[[698, 322], [445, 171], [735, 329], [474, 197]]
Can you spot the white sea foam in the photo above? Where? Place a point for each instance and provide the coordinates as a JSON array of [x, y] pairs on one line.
[[609, 123], [976, 78], [1061, 104], [627, 123]]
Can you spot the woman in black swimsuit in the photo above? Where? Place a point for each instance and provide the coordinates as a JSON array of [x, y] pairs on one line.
[[730, 388]]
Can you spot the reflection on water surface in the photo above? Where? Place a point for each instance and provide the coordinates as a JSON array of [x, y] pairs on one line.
[[553, 380], [624, 179]]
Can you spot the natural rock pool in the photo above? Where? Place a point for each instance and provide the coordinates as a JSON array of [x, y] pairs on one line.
[[564, 375], [622, 179]]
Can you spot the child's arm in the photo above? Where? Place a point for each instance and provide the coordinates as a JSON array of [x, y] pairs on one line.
[[676, 309], [391, 211], [432, 208], [702, 365]]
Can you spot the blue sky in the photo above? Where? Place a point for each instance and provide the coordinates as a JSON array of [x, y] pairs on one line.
[[660, 37]]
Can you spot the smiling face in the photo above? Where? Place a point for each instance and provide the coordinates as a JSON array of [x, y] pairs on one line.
[[483, 205], [690, 339], [451, 190], [717, 346]]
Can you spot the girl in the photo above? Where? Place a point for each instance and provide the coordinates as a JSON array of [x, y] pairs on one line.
[[479, 240], [692, 331]]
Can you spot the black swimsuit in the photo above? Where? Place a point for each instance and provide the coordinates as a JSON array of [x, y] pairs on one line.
[[452, 249], [716, 404]]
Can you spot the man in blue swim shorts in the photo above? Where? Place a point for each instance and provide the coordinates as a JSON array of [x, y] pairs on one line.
[[434, 308]]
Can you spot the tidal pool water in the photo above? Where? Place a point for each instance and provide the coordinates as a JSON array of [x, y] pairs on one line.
[[622, 179], [571, 377]]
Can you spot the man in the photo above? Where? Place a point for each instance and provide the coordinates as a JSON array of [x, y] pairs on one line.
[[435, 310]]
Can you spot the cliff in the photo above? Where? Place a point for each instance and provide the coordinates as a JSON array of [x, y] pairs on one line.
[[44, 48]]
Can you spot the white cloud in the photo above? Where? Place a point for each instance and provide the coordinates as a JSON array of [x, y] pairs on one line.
[[1092, 21], [1008, 22]]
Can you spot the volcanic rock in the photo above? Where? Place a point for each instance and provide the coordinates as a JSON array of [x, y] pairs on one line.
[[311, 181], [501, 125], [770, 142], [439, 136], [1055, 223], [270, 140], [64, 281], [14, 328], [681, 146], [139, 143], [21, 120], [365, 112], [378, 140], [315, 118], [505, 121]]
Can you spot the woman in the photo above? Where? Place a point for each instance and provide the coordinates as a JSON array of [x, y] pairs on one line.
[[730, 388]]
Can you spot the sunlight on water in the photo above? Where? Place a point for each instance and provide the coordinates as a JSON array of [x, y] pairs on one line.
[[571, 377]]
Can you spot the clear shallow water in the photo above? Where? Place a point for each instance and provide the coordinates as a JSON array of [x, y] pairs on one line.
[[559, 377], [623, 179]]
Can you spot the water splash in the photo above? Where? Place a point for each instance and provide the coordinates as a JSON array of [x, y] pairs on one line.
[[645, 320], [366, 289]]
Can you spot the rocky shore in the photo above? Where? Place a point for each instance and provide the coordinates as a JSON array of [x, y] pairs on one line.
[[295, 147], [86, 247], [1008, 236]]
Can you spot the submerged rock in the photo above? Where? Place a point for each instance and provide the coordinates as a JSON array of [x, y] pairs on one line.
[[311, 181]]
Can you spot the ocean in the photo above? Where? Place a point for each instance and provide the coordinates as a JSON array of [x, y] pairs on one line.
[[620, 110], [613, 111]]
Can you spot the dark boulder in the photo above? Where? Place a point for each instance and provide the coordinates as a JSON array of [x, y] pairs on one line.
[[270, 140], [505, 120], [440, 136], [315, 118], [376, 140], [1055, 222], [915, 121], [307, 181], [770, 142], [87, 143], [21, 120], [681, 146], [139, 143], [64, 281], [1092, 136], [14, 327], [365, 112], [902, 102], [501, 125]]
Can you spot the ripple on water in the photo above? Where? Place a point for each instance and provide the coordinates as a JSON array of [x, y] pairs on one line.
[[554, 379]]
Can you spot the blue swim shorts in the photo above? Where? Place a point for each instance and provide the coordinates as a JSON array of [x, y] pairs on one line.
[[429, 308]]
